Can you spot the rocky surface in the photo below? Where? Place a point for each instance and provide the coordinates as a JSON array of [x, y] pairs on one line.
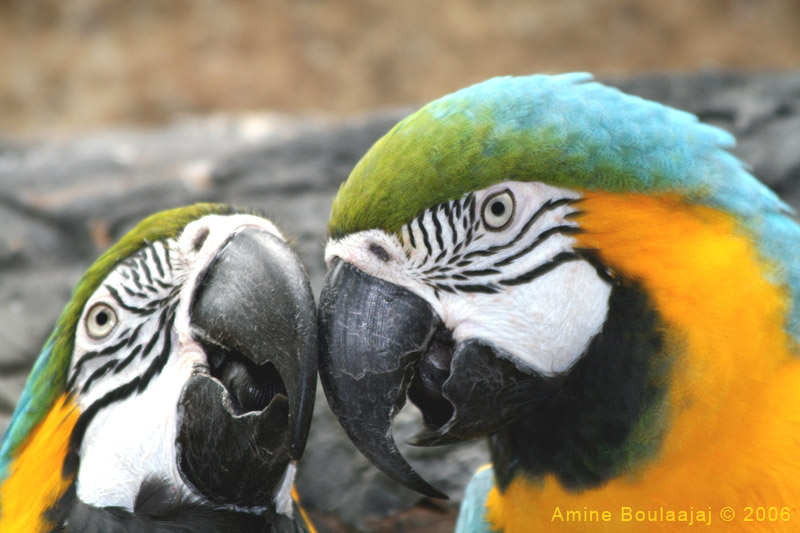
[[64, 201]]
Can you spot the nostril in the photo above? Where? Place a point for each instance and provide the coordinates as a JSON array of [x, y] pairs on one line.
[[379, 252], [251, 387], [200, 239]]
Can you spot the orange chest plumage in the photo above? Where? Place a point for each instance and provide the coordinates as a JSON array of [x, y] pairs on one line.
[[733, 435], [35, 481]]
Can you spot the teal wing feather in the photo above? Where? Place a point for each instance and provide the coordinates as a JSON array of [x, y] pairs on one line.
[[472, 515], [36, 400]]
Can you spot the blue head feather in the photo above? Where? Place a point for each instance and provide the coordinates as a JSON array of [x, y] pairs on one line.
[[566, 131]]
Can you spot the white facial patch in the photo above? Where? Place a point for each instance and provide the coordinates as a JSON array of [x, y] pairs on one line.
[[513, 281], [546, 325], [133, 439], [360, 250]]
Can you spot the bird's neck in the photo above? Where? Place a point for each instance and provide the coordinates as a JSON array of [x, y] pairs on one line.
[[703, 377], [36, 478], [608, 411], [723, 308]]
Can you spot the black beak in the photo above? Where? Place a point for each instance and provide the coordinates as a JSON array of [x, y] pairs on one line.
[[246, 416], [379, 343], [372, 335]]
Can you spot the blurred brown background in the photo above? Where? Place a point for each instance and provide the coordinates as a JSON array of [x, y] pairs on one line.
[[82, 64], [70, 66]]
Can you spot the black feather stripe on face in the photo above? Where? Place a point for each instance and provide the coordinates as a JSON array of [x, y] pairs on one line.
[[150, 271], [137, 384], [445, 267]]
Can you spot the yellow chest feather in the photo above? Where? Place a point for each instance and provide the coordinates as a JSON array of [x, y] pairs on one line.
[[35, 482], [731, 458]]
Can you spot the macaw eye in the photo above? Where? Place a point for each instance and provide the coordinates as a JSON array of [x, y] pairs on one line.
[[498, 210], [100, 320]]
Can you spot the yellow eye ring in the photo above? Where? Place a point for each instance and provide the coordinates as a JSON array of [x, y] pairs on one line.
[[100, 320]]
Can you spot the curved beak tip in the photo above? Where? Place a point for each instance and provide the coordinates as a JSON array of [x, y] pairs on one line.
[[372, 334]]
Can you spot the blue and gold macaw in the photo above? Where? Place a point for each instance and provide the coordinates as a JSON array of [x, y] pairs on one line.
[[591, 281], [175, 393]]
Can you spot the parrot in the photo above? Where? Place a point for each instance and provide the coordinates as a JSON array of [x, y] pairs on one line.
[[176, 389], [591, 282]]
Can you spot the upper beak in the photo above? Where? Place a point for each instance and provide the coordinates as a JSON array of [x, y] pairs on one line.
[[248, 415], [372, 334]]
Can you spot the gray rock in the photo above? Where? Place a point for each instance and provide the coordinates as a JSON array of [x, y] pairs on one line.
[[63, 201]]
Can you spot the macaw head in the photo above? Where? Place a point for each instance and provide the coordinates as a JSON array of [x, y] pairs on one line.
[[507, 256], [183, 368]]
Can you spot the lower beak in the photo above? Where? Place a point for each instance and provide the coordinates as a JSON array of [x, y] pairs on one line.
[[248, 415]]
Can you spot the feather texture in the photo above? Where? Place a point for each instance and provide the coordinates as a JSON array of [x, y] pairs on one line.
[[47, 380], [566, 131], [709, 367]]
